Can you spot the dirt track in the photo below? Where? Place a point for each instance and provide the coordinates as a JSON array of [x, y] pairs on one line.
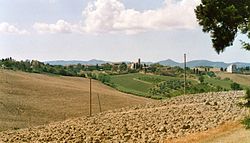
[[158, 122]]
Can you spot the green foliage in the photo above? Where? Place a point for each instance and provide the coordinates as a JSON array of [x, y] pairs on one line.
[[164, 86], [160, 90], [223, 19], [246, 122], [138, 84], [40, 67], [211, 74], [168, 88], [235, 86], [201, 79], [151, 79], [104, 78], [247, 97], [227, 79], [123, 67]]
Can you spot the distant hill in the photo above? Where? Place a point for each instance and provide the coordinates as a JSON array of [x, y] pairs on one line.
[[74, 62], [168, 62], [196, 63]]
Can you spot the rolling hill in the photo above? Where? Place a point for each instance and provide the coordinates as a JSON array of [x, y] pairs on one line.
[[168, 62], [196, 63], [28, 99], [75, 62]]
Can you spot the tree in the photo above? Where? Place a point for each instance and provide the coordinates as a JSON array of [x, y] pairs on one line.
[[223, 19], [235, 86], [104, 78], [221, 69], [123, 67], [201, 79], [247, 68]]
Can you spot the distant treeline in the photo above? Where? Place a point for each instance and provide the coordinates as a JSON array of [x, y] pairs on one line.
[[80, 70], [35, 66]]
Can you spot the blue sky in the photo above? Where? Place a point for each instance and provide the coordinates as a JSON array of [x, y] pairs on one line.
[[114, 30]]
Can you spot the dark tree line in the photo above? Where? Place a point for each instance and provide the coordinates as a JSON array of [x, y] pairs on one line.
[[35, 66]]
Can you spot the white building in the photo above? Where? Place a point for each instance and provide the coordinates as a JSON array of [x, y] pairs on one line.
[[232, 68]]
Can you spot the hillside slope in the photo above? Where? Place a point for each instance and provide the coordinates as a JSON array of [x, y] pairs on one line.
[[28, 99], [239, 78], [155, 122]]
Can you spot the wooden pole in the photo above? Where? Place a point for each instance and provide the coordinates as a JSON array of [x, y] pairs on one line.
[[90, 97], [185, 73], [100, 108]]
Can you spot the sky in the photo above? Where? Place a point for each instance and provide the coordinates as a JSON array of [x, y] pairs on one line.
[[112, 30]]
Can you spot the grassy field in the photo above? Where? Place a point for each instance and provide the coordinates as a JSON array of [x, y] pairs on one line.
[[244, 80], [138, 83], [28, 99], [217, 82]]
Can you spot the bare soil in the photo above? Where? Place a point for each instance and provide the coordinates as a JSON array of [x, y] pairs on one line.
[[167, 121]]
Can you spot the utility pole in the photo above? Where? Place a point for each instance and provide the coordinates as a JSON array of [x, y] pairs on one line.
[[185, 73], [90, 96]]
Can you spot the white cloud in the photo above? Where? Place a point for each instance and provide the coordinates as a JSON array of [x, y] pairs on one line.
[[6, 28], [61, 26], [52, 1], [111, 16]]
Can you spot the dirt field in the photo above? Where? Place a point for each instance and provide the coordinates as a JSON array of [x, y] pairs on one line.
[[28, 99], [165, 121]]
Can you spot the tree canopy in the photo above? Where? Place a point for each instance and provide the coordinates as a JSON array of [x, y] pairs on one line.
[[224, 19]]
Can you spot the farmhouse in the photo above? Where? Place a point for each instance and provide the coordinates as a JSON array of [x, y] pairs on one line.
[[232, 68], [136, 65]]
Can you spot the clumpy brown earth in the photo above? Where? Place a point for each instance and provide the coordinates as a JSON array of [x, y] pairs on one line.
[[28, 99], [156, 122]]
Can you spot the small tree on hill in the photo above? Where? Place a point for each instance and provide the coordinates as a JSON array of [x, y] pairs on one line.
[[201, 79], [235, 86]]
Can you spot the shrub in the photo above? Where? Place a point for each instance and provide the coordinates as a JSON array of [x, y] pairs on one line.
[[211, 74], [247, 97], [235, 86], [246, 122], [227, 79], [201, 79], [104, 78]]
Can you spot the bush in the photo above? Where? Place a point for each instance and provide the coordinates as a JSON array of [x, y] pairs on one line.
[[211, 74], [246, 122], [235, 86], [201, 79], [247, 97], [104, 78]]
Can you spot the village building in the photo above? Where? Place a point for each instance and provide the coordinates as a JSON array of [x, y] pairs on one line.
[[136, 65], [232, 68]]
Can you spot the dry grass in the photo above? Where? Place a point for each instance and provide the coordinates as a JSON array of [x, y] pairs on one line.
[[204, 137], [28, 99], [239, 78]]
